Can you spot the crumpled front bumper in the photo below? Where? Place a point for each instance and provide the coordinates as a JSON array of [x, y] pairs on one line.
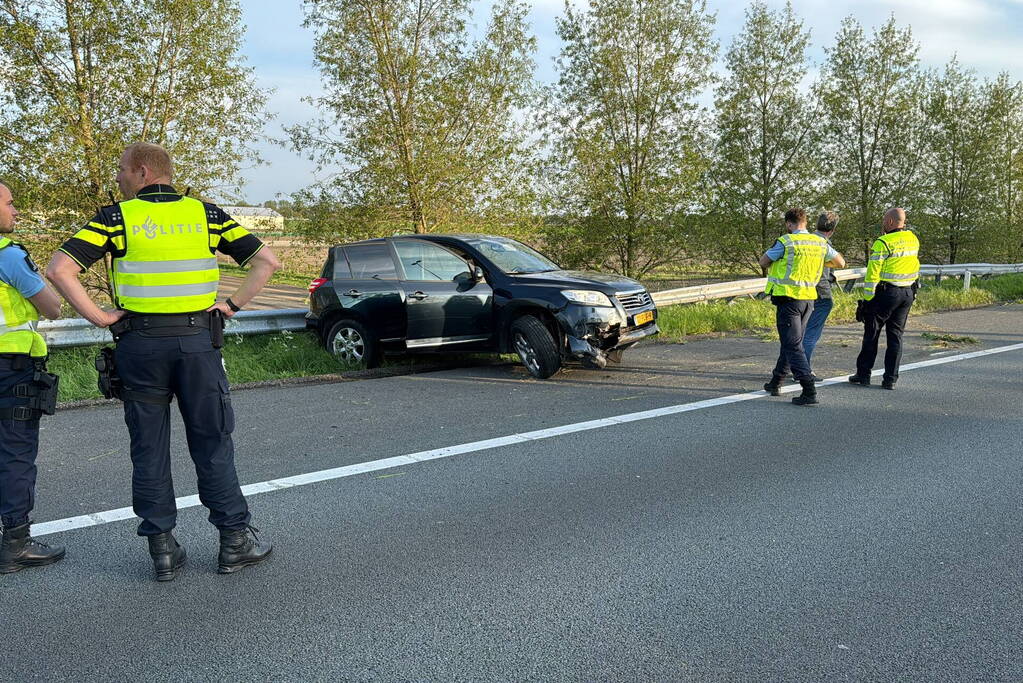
[[595, 335]]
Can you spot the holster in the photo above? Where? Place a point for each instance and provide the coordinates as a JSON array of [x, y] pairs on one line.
[[41, 392], [217, 323], [861, 311], [109, 382]]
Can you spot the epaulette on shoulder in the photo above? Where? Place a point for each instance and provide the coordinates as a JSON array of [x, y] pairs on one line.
[[214, 213], [111, 214]]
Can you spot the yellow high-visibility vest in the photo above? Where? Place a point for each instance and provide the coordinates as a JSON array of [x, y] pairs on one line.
[[894, 258], [798, 271], [168, 265], [18, 320]]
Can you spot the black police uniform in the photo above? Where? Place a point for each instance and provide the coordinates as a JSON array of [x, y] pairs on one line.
[[159, 357]]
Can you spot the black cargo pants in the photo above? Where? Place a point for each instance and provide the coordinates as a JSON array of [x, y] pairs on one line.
[[19, 445], [887, 311], [791, 316], [190, 369]]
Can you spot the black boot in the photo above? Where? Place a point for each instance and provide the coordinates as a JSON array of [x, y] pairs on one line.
[[19, 550], [774, 386], [862, 381], [887, 383], [240, 548], [168, 556], [809, 395]]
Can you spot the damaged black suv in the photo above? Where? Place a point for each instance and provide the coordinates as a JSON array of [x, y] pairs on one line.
[[472, 293]]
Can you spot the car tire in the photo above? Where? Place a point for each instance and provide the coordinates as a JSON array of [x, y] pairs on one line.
[[353, 345], [535, 346]]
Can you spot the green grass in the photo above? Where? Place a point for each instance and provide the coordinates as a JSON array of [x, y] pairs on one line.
[[1004, 287], [250, 358], [945, 340], [281, 277], [757, 316], [298, 354]]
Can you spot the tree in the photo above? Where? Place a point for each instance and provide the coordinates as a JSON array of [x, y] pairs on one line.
[[872, 94], [422, 126], [960, 142], [82, 79], [766, 133], [627, 141], [1005, 214]]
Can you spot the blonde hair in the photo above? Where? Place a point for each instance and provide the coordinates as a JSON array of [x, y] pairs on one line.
[[154, 157]]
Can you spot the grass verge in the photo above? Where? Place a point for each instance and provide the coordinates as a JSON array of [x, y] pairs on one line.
[[251, 358], [258, 358], [756, 316]]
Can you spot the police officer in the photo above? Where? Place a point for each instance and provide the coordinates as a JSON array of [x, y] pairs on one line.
[[23, 381], [889, 290], [795, 264], [164, 277]]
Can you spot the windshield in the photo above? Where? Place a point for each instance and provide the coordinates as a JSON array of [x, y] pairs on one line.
[[513, 257]]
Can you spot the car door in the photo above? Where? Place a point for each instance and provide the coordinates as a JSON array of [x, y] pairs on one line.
[[444, 304], [371, 288]]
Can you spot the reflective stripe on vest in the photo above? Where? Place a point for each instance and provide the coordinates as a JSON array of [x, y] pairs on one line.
[[168, 266], [893, 260], [18, 320], [797, 273], [901, 262]]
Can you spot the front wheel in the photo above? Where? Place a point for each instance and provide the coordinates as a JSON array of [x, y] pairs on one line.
[[353, 345], [536, 347]]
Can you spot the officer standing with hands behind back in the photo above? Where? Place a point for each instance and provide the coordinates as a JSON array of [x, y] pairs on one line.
[[26, 392], [165, 277], [795, 264]]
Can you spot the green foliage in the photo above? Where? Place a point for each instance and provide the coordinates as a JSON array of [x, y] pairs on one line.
[[767, 135], [872, 90], [251, 358], [82, 80], [961, 115], [628, 150], [1004, 287], [420, 122]]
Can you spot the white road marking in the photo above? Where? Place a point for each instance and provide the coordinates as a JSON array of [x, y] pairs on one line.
[[120, 514]]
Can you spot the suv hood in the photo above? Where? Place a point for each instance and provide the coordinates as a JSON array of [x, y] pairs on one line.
[[582, 279]]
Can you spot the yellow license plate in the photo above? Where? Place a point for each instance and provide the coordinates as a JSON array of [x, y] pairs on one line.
[[644, 317]]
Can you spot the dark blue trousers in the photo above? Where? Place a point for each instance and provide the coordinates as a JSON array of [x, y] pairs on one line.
[[791, 316], [192, 371], [887, 311], [19, 445], [815, 326]]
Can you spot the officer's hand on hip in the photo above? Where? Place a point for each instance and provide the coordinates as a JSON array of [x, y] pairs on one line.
[[223, 308], [108, 318]]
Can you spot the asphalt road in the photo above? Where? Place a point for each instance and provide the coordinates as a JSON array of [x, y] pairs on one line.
[[873, 537]]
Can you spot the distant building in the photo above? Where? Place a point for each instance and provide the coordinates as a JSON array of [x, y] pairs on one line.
[[256, 219]]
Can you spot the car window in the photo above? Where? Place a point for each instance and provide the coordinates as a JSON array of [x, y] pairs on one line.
[[425, 261], [513, 257], [341, 269], [371, 262]]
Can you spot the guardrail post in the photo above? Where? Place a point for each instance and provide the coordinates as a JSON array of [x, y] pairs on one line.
[[967, 276]]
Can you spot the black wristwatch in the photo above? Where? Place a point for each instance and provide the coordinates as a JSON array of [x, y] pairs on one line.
[[232, 305]]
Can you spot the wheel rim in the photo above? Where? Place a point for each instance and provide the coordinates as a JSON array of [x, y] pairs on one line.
[[526, 353], [349, 347]]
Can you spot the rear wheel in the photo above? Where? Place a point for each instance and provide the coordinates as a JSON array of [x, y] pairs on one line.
[[536, 347], [353, 345]]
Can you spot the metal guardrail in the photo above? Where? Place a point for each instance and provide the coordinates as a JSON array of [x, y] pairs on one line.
[[79, 332], [754, 286]]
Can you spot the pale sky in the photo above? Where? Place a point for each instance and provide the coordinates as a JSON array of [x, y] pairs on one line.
[[987, 35]]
